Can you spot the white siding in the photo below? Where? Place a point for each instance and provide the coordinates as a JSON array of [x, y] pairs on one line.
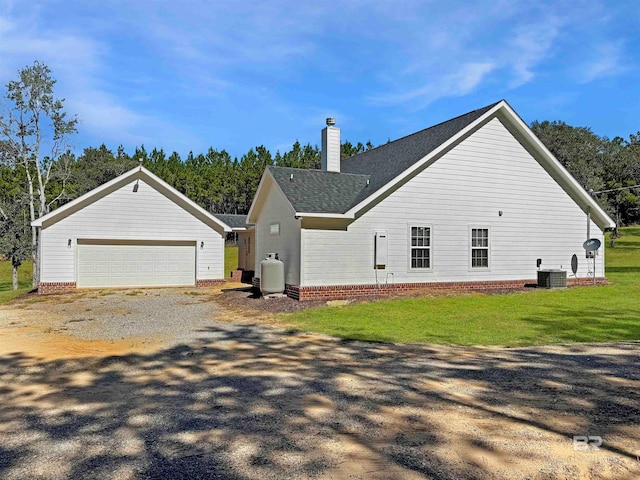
[[126, 215], [276, 209], [330, 156], [488, 172]]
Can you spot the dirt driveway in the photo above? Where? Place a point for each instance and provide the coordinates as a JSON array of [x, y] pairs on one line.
[[160, 384]]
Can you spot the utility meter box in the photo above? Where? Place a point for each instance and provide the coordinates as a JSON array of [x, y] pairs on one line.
[[381, 249]]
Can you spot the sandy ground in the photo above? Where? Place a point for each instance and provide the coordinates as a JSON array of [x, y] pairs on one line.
[[169, 384]]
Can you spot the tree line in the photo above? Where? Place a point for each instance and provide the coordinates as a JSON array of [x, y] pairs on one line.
[[214, 180], [34, 182]]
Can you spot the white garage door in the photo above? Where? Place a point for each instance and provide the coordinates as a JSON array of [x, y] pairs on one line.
[[139, 264]]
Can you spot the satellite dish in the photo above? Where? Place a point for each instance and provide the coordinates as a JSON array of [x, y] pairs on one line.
[[574, 264], [592, 245]]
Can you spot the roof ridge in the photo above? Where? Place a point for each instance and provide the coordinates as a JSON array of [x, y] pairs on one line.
[[488, 107], [319, 171]]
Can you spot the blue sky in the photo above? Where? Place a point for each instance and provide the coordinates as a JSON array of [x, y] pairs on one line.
[[186, 75]]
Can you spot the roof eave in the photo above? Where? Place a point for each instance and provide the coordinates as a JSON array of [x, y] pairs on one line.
[[598, 215], [186, 199], [325, 215], [143, 172], [252, 209], [419, 164], [92, 193]]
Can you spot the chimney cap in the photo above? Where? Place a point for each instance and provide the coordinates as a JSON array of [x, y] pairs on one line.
[[331, 122]]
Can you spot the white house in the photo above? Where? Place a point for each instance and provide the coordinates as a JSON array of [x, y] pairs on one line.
[[134, 231], [473, 202]]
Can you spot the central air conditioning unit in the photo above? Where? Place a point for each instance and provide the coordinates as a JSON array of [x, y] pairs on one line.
[[552, 278]]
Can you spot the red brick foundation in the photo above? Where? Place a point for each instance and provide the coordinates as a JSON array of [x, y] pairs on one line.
[[585, 282], [292, 291], [47, 288], [241, 276], [341, 292], [210, 282]]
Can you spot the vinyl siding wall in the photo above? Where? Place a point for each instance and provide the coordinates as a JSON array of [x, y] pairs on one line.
[[126, 215], [275, 209], [488, 172]]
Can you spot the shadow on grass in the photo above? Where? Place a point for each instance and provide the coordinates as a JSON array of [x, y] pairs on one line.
[[623, 269], [246, 402], [593, 324], [626, 245]]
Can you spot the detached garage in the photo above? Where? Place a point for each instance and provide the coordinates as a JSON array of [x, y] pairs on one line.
[[134, 231]]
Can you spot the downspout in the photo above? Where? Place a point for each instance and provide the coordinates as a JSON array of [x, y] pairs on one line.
[[588, 223]]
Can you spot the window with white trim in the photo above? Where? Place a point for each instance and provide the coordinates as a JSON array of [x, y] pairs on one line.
[[479, 248], [420, 247]]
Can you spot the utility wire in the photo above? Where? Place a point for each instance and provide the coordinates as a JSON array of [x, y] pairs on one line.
[[613, 189]]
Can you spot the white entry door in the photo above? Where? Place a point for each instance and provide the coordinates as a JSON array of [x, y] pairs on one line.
[[105, 263]]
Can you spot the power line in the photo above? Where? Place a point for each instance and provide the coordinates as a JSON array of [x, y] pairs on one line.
[[613, 189]]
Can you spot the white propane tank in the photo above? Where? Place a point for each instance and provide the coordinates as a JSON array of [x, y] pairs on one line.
[[271, 275]]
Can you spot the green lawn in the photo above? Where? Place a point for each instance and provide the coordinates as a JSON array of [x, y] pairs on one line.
[[24, 280], [230, 259], [592, 314], [586, 314]]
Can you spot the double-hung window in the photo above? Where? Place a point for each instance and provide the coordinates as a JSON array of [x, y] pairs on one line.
[[479, 248], [420, 246]]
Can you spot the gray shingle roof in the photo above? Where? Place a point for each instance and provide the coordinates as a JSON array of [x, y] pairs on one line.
[[234, 221], [316, 191]]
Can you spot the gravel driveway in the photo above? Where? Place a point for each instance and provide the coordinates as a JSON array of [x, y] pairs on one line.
[[190, 394]]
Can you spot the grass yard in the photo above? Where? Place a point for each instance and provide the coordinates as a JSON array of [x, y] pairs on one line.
[[230, 259], [586, 314], [24, 280]]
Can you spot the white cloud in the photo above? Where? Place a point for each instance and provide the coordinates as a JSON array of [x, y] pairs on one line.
[[137, 71], [223, 34], [469, 77], [78, 64], [607, 62], [105, 118], [531, 45], [461, 81], [502, 45]]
